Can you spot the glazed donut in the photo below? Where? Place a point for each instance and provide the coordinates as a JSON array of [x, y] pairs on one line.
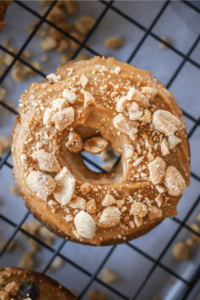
[[88, 105], [29, 285], [3, 7]]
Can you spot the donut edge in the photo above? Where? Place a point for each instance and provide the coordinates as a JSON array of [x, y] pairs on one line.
[[38, 276]]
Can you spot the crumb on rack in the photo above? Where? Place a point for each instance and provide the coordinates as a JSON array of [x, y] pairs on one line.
[[18, 74], [57, 263], [96, 295], [27, 260], [2, 94], [167, 40], [109, 276], [45, 58], [13, 245], [114, 42], [196, 228], [13, 190], [198, 217], [4, 144], [181, 251], [84, 24], [82, 56], [67, 56], [48, 44]]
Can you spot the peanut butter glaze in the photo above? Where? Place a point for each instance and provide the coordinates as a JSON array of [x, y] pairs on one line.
[[12, 279], [126, 107]]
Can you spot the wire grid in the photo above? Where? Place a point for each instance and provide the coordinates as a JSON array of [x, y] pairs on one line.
[[196, 122]]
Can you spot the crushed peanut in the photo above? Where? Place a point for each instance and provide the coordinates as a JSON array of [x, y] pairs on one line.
[[114, 42]]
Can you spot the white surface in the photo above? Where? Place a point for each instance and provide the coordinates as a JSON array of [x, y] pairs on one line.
[[180, 24]]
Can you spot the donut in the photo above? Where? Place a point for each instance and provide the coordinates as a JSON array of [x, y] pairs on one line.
[[3, 7], [28, 284], [88, 106]]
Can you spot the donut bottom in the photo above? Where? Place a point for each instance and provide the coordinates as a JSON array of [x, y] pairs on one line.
[[51, 226]]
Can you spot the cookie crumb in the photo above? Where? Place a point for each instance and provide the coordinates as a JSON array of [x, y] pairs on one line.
[[181, 251], [48, 44], [2, 94], [198, 217], [27, 260], [190, 242], [45, 58], [96, 295], [67, 56], [114, 42], [167, 40], [18, 75], [4, 144], [196, 228], [84, 24], [109, 276], [13, 190], [57, 263]]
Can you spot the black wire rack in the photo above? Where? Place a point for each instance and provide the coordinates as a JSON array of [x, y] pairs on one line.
[[108, 5]]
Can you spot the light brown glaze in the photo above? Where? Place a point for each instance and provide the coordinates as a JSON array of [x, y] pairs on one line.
[[49, 289], [96, 120]]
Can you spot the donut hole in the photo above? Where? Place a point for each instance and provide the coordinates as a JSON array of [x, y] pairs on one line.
[[103, 162], [82, 166]]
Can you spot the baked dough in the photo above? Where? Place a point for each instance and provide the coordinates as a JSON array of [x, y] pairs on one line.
[[88, 105], [3, 7], [14, 283]]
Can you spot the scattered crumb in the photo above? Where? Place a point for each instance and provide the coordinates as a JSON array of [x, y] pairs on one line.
[[84, 24], [198, 217], [27, 260], [190, 242], [27, 54], [63, 45], [82, 56], [4, 144], [57, 263], [58, 34], [45, 58], [2, 94], [30, 27], [14, 245], [13, 189], [67, 56], [18, 74], [48, 44], [7, 59], [109, 276], [32, 227], [162, 45], [181, 251], [114, 42], [96, 295], [6, 42], [78, 37], [196, 228]]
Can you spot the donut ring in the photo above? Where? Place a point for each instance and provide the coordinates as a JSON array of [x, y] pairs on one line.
[[88, 105], [15, 284]]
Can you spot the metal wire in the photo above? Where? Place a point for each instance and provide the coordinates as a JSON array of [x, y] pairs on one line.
[[196, 124]]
